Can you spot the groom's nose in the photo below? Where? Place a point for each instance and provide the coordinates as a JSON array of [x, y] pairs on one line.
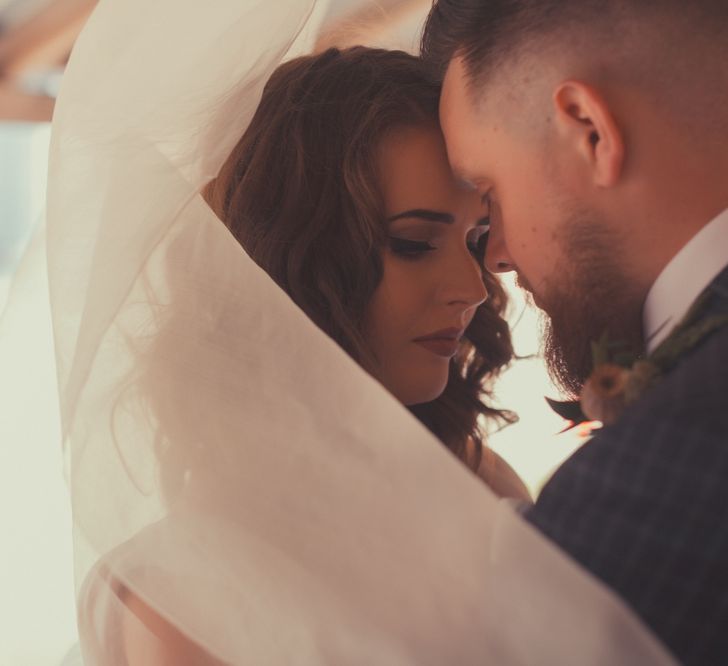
[[497, 258]]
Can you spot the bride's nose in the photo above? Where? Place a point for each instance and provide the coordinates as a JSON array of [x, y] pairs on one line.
[[462, 282]]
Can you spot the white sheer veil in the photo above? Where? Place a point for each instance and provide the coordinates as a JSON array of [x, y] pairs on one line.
[[229, 464]]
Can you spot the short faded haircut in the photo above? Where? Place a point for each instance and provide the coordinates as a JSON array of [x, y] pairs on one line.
[[490, 33]]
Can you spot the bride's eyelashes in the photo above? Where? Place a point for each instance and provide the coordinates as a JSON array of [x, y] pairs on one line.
[[409, 249], [406, 248]]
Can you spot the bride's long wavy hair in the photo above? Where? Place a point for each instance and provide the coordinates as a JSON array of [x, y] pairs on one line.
[[300, 193]]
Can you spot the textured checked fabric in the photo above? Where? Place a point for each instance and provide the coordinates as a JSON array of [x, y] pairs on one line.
[[644, 504]]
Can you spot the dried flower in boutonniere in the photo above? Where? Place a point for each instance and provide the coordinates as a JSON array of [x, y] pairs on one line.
[[611, 387], [619, 380], [607, 390], [602, 398]]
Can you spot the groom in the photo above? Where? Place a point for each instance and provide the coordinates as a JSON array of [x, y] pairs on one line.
[[597, 131]]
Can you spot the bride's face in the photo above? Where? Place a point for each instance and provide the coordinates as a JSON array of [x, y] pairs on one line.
[[432, 281]]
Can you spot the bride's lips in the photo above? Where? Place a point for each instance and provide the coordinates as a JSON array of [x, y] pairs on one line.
[[443, 343]]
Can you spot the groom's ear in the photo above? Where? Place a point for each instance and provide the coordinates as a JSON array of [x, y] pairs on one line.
[[585, 121]]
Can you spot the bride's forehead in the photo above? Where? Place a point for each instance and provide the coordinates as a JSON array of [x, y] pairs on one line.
[[414, 158]]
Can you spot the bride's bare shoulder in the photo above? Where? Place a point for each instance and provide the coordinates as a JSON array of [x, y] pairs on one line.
[[501, 478], [152, 640], [118, 625]]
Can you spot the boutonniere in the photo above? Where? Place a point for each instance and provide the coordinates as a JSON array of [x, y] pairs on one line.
[[619, 379]]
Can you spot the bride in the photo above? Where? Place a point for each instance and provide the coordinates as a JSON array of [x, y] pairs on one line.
[[244, 488], [341, 142]]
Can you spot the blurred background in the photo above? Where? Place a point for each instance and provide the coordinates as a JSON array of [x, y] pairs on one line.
[[37, 616]]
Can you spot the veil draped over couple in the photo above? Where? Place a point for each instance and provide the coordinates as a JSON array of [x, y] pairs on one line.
[[278, 326]]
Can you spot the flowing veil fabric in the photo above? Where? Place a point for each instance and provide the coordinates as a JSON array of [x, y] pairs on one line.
[[229, 464]]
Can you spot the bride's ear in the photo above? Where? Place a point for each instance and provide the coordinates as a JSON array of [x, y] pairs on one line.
[[585, 121]]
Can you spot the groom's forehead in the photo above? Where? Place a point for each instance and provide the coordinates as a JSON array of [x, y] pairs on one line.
[[456, 108], [465, 123], [467, 103], [456, 93]]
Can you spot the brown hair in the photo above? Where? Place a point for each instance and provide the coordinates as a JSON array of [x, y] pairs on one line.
[[300, 194]]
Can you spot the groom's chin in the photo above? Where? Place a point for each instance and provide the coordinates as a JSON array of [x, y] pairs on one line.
[[571, 328], [568, 357], [566, 345], [529, 295], [566, 354]]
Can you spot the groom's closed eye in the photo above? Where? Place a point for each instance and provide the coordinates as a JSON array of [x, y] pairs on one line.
[[465, 184], [478, 240]]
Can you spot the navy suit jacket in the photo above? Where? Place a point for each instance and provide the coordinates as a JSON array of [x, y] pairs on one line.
[[644, 504]]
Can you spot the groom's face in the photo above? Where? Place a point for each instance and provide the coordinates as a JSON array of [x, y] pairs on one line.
[[543, 224]]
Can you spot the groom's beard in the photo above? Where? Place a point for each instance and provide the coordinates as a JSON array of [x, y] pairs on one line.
[[590, 295]]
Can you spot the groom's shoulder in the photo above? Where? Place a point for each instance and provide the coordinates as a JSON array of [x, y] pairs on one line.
[[680, 424], [686, 409], [642, 505]]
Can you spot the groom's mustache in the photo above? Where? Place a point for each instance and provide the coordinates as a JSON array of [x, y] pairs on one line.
[[525, 286], [523, 283]]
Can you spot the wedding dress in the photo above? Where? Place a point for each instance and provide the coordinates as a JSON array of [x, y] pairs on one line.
[[229, 464]]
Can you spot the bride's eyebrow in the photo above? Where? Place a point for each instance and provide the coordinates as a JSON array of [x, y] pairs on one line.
[[423, 214]]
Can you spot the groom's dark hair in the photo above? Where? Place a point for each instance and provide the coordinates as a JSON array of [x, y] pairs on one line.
[[487, 33]]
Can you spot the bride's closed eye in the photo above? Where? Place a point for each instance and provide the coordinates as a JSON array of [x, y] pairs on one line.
[[409, 249]]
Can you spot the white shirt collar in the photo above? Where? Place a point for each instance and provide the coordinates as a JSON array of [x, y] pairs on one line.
[[690, 271]]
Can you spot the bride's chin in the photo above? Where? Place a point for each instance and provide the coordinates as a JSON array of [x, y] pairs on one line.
[[416, 382], [424, 393]]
